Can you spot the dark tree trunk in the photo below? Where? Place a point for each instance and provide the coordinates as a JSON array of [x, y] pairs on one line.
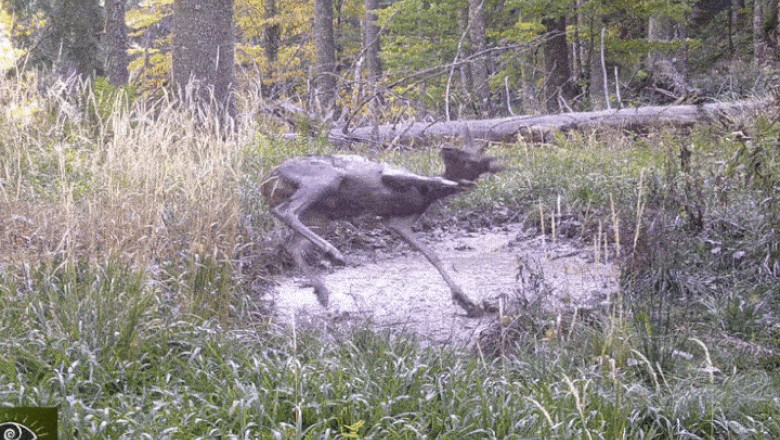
[[203, 52], [271, 36], [480, 74], [766, 30], [271, 32], [72, 41], [116, 43], [556, 60], [325, 56]]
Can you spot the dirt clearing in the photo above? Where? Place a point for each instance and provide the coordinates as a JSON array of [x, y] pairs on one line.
[[401, 291]]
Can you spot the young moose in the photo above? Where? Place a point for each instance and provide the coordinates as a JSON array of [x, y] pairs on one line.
[[306, 192]]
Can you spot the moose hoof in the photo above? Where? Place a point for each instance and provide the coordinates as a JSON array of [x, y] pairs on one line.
[[322, 293], [475, 312], [478, 311], [488, 307], [336, 257], [323, 298]]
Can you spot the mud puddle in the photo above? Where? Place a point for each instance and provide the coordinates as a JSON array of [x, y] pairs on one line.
[[401, 291]]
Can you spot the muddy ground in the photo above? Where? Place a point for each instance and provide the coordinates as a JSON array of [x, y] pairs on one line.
[[396, 289]]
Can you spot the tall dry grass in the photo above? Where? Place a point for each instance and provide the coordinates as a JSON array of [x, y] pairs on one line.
[[88, 172]]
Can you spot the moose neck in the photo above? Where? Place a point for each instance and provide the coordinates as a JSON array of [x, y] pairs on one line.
[[451, 174], [445, 191], [467, 168]]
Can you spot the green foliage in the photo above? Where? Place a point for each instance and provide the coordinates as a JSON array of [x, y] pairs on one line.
[[104, 346], [109, 99], [421, 40]]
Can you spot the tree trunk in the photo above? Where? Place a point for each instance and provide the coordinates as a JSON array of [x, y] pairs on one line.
[[372, 45], [465, 71], [578, 47], [271, 36], [542, 128], [116, 43], [760, 43], [73, 44], [668, 68], [597, 93], [203, 52], [735, 21], [770, 27], [271, 32], [529, 79], [480, 74], [556, 60], [325, 56]]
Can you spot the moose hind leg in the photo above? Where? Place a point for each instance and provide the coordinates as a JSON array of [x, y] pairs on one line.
[[291, 210], [298, 247]]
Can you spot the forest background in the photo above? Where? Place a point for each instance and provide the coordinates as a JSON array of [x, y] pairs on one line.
[[359, 62]]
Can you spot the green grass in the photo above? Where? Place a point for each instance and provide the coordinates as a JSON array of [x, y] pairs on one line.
[[129, 260], [126, 372]]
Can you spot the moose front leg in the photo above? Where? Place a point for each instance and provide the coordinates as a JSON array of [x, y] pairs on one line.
[[403, 227]]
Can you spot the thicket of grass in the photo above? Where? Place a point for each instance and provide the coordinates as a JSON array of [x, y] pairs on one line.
[[119, 363], [126, 299]]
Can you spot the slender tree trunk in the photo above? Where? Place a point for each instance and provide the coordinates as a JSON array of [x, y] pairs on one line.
[[271, 31], [595, 84], [760, 46], [556, 61], [325, 56], [372, 46], [116, 43], [667, 67], [271, 35], [737, 13], [465, 70], [578, 46], [530, 77], [203, 52], [480, 74]]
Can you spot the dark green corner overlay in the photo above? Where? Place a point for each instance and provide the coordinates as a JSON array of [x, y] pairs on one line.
[[28, 423]]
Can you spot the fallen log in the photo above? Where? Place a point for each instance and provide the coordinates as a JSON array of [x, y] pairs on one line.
[[541, 128]]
